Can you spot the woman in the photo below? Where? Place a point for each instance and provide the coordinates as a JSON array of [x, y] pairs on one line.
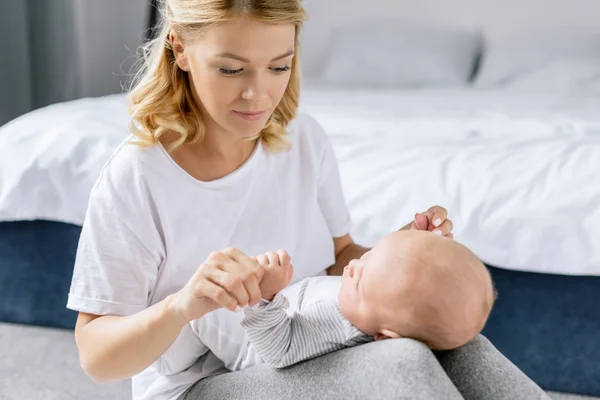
[[222, 161]]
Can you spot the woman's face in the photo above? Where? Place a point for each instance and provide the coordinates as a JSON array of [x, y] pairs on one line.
[[239, 71]]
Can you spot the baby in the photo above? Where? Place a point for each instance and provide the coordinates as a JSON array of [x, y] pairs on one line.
[[412, 284]]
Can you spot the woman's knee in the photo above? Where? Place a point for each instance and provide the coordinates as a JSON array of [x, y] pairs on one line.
[[393, 354], [480, 345]]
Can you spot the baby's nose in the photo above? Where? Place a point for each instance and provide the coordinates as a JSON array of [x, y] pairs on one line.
[[349, 269]]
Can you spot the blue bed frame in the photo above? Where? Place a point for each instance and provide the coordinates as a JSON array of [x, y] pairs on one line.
[[548, 325]]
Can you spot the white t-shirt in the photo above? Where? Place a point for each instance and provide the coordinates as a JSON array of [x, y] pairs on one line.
[[149, 225]]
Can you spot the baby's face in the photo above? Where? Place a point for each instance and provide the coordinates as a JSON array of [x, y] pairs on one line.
[[420, 285]]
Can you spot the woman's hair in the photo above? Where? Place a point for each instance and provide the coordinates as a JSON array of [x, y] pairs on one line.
[[161, 99]]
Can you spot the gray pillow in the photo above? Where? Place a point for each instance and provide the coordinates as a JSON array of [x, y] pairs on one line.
[[409, 56], [508, 60]]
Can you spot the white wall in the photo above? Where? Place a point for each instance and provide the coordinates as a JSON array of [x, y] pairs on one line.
[[498, 18]]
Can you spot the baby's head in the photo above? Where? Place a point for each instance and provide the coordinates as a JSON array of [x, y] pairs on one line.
[[419, 285]]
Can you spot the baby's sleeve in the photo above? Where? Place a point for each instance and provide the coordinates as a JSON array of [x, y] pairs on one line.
[[284, 337], [120, 249]]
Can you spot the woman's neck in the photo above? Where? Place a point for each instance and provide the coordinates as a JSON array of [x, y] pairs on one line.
[[222, 148], [216, 156]]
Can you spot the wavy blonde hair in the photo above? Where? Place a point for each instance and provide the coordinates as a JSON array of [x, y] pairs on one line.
[[161, 99]]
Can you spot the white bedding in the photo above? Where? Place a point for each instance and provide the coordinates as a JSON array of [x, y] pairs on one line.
[[519, 173]]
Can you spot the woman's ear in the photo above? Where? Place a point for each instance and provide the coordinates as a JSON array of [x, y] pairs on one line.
[[179, 51]]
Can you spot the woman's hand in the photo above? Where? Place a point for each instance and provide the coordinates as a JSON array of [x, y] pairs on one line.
[[435, 219], [278, 273], [228, 278]]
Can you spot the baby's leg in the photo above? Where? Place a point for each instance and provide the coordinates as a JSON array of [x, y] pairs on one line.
[[389, 369], [480, 371]]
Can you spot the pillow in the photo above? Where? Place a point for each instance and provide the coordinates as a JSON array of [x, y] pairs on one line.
[[507, 60], [376, 55], [51, 157], [570, 75]]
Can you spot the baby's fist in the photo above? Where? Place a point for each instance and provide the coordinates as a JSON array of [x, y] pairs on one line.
[[278, 273]]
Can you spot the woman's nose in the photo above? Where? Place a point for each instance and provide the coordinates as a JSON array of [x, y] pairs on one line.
[[255, 91]]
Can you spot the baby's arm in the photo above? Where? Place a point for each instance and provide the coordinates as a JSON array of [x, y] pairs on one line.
[[283, 339]]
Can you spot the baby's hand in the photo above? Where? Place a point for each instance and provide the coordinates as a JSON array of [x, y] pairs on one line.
[[278, 273]]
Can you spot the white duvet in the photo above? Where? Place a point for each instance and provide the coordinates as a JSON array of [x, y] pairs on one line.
[[519, 173]]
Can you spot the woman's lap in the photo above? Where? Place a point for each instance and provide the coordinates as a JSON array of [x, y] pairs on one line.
[[377, 370], [480, 371], [389, 369]]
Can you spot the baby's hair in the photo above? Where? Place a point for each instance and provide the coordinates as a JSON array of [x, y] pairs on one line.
[[431, 313]]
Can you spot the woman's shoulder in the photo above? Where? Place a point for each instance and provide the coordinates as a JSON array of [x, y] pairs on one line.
[[307, 133], [128, 166]]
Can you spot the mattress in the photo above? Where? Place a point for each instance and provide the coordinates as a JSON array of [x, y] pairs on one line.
[[515, 170]]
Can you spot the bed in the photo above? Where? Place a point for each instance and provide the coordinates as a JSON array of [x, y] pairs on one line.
[[516, 173], [516, 165]]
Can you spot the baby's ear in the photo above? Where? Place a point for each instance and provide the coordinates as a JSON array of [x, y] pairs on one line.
[[386, 334], [380, 336]]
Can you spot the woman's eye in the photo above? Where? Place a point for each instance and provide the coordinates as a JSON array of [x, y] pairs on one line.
[[280, 69], [229, 72]]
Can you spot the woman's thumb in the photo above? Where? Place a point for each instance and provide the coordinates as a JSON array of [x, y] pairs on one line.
[[421, 222]]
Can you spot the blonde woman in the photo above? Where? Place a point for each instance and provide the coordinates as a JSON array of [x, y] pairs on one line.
[[220, 160]]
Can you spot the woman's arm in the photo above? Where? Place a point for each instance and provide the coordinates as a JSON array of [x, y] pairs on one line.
[[345, 250], [113, 347]]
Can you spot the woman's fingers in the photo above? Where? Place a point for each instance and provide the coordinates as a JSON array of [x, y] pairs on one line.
[[246, 274], [436, 215], [251, 272], [444, 229], [262, 259], [225, 276], [206, 288], [250, 265]]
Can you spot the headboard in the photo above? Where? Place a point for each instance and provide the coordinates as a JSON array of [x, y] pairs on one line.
[[497, 18]]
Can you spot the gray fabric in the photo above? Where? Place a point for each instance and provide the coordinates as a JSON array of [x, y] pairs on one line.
[[393, 369], [66, 49], [479, 371], [390, 369], [42, 363]]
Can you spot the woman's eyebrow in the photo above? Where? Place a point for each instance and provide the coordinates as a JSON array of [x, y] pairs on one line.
[[245, 60]]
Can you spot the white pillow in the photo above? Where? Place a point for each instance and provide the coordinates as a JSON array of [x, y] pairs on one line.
[[507, 60], [51, 157], [378, 55], [577, 76]]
